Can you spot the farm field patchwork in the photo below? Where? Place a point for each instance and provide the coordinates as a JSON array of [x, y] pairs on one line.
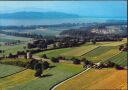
[[78, 51], [120, 59], [107, 79], [115, 43], [54, 53], [6, 70], [102, 53], [26, 80]]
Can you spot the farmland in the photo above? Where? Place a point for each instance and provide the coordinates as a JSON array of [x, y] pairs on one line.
[[12, 49], [96, 80], [102, 53], [28, 81], [6, 70], [12, 38], [120, 59]]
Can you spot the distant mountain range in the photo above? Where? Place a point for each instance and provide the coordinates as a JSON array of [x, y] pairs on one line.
[[37, 15]]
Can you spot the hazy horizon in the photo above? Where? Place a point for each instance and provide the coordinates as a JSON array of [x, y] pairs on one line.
[[108, 9]]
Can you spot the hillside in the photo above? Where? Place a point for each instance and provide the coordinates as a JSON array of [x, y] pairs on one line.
[[37, 15]]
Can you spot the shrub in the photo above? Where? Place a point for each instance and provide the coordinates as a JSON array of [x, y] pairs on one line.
[[55, 60], [44, 56], [118, 67], [76, 61], [45, 65], [110, 64]]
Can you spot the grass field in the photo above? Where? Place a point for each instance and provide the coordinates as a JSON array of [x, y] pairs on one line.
[[12, 49], [102, 53], [106, 79], [78, 51], [54, 53], [26, 80], [69, 52], [120, 59], [8, 38], [6, 70], [99, 52]]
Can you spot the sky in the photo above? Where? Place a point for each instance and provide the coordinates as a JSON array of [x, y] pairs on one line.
[[117, 9]]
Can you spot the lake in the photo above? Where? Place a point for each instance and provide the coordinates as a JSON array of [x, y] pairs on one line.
[[18, 22]]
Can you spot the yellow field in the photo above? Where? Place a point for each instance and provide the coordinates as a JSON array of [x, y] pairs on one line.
[[78, 51], [105, 79], [17, 79], [115, 43]]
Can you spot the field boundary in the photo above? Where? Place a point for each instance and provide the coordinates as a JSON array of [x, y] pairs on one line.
[[12, 74], [56, 85], [90, 51], [111, 57]]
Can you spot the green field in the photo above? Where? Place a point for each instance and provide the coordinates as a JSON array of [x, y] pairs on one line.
[[120, 59], [102, 53], [54, 53], [12, 49], [12, 38], [26, 80], [6, 70], [95, 53]]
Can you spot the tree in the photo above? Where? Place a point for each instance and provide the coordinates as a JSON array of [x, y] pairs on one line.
[[39, 69], [45, 65], [75, 60], [121, 47], [94, 42], [54, 46], [10, 55], [44, 56], [118, 67], [55, 60]]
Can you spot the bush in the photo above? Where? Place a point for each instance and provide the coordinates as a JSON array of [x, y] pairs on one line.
[[45, 65], [110, 64], [75, 60], [32, 64], [55, 60], [61, 57], [44, 56], [118, 67], [16, 62]]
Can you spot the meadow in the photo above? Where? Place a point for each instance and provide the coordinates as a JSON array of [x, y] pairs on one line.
[[26, 81], [102, 53], [12, 49], [6, 70], [12, 38], [120, 59], [95, 79]]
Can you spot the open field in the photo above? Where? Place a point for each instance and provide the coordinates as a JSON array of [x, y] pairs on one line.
[[11, 49], [7, 37], [17, 79], [26, 80], [78, 51], [120, 59], [99, 52], [106, 79], [6, 70], [102, 53], [54, 53]]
